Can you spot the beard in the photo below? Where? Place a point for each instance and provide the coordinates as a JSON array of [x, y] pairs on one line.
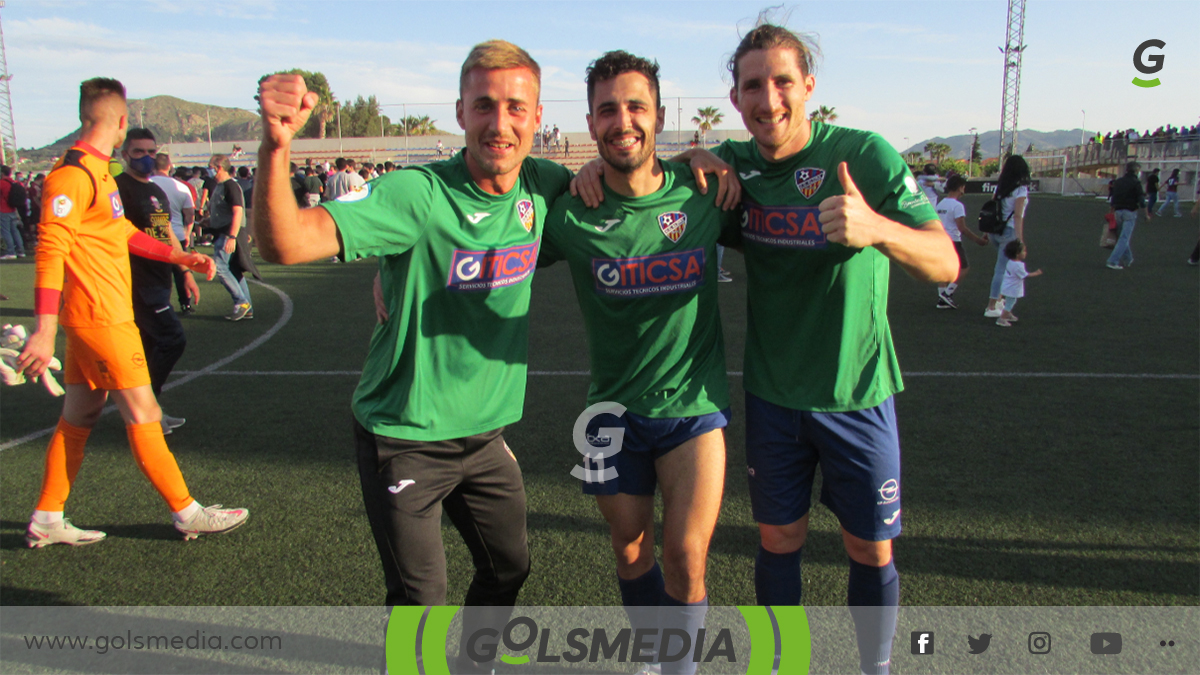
[[627, 163]]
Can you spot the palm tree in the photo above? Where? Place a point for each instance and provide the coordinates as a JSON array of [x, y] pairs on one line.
[[937, 151], [823, 114], [707, 118]]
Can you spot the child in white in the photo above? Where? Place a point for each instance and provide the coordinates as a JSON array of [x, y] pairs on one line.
[[954, 220], [1014, 280]]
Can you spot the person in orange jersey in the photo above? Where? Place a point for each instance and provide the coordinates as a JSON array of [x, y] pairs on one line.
[[83, 283]]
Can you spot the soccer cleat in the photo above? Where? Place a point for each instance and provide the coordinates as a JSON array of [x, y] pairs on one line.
[[187, 309], [212, 520], [1193, 262], [723, 276], [942, 303], [1113, 266], [62, 532], [239, 312], [250, 314], [170, 424]]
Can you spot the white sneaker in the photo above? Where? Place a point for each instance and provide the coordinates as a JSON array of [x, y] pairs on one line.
[[62, 532], [994, 313], [212, 520]]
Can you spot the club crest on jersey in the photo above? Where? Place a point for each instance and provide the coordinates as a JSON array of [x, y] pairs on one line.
[[485, 270], [675, 272], [672, 223], [61, 205], [808, 181], [525, 213], [114, 200]]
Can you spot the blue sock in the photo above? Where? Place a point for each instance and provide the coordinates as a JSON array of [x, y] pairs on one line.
[[777, 577], [873, 596], [641, 597], [686, 617]]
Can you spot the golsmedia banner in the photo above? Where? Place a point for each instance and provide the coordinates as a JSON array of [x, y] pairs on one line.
[[748, 639]]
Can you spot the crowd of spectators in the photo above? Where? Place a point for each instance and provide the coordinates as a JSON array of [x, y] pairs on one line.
[[1163, 133]]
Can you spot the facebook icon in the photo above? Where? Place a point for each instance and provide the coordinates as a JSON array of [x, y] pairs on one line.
[[922, 643]]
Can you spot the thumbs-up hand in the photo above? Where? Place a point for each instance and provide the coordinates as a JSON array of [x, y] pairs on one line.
[[846, 219]]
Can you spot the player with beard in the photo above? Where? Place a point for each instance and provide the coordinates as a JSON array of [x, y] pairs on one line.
[[644, 266], [826, 209]]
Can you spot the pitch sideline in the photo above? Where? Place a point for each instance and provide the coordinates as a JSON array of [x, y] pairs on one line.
[[190, 375]]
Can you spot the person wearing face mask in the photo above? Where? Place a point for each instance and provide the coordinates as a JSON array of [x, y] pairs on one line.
[[148, 208]]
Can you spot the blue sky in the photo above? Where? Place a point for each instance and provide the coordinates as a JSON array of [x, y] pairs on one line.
[[907, 69]]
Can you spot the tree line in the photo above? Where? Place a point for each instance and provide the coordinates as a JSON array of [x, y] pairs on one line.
[[360, 118]]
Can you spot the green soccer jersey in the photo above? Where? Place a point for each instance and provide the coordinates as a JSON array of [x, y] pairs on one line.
[[817, 335], [645, 272], [456, 265]]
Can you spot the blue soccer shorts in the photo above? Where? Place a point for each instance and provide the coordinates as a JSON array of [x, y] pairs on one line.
[[859, 456], [645, 439]]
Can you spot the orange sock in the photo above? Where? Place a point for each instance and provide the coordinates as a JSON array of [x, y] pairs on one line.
[[156, 461], [63, 459]]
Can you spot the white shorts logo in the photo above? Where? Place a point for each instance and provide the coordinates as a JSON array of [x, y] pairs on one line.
[[61, 205], [889, 491]]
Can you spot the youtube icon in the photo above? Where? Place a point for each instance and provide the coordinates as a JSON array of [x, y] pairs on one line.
[[1106, 643]]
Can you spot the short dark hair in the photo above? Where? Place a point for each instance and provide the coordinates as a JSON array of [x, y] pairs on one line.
[[954, 182], [5, 170], [1133, 167], [767, 35], [340, 163], [308, 171], [1013, 249], [351, 163], [96, 89], [243, 172], [931, 169], [388, 166], [162, 161], [139, 134], [618, 62]]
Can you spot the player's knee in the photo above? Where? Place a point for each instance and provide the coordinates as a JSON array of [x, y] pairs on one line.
[[782, 538], [864, 552], [687, 557]]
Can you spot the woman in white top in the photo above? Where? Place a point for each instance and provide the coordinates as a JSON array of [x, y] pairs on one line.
[[1013, 196]]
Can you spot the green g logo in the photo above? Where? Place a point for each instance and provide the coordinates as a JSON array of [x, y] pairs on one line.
[[1148, 64]]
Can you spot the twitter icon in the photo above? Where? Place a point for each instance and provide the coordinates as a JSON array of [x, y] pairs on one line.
[[980, 644]]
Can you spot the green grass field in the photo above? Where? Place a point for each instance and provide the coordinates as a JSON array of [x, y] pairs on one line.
[[1052, 463]]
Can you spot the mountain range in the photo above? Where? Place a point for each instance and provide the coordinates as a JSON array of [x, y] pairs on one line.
[[989, 142], [172, 120]]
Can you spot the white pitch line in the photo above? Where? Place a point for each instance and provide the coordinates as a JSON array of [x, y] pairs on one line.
[[193, 374], [732, 373]]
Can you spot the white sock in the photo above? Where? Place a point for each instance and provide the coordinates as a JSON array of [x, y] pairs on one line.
[[47, 517], [186, 513], [951, 287]]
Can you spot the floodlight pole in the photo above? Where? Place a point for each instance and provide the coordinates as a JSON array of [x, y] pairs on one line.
[[1014, 47], [1083, 129]]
